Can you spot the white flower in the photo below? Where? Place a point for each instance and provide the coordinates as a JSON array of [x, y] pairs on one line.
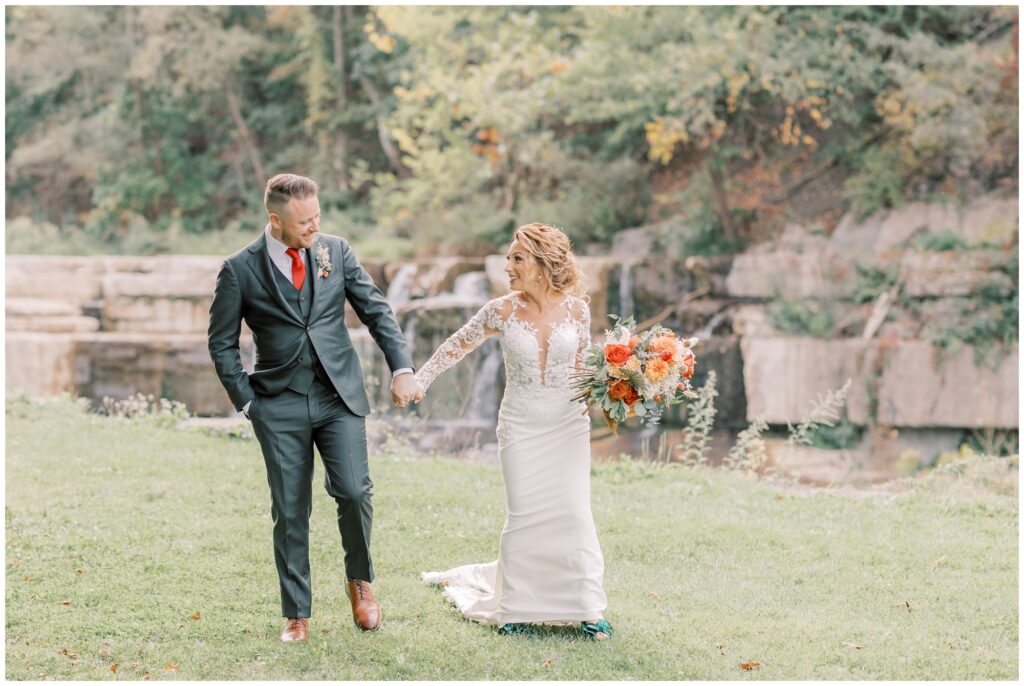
[[618, 336], [323, 261]]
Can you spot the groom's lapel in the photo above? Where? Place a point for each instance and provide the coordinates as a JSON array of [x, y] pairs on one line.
[[259, 262], [314, 273]]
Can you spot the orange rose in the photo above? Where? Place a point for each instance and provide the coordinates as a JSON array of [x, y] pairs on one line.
[[621, 390], [616, 353]]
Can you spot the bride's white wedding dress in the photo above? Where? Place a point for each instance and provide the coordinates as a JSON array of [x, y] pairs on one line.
[[549, 566]]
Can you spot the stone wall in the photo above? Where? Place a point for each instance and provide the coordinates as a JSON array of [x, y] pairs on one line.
[[114, 326], [120, 325], [899, 377]]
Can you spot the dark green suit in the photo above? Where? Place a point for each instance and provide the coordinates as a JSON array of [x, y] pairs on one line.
[[307, 388]]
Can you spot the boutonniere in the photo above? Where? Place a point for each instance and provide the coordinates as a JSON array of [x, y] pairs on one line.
[[323, 261]]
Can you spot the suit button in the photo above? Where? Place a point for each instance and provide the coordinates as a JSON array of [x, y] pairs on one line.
[[309, 328]]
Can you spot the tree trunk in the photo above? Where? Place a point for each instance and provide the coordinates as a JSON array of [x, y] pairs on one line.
[[341, 135], [247, 138], [719, 198], [386, 144]]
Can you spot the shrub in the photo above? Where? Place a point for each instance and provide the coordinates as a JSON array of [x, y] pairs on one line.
[[802, 318]]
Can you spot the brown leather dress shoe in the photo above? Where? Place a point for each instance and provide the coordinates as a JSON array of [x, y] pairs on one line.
[[365, 610], [296, 630]]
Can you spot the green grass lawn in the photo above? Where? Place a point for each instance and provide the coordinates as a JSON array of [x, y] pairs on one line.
[[139, 546]]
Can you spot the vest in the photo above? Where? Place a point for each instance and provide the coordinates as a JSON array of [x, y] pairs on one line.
[[301, 301]]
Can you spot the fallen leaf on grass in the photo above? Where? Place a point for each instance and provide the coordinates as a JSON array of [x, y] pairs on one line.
[[26, 578], [196, 616], [80, 570], [113, 667], [779, 496], [907, 603], [938, 562], [855, 646], [15, 562], [65, 603], [171, 667], [720, 648], [547, 663], [147, 677], [105, 649], [246, 631], [750, 665], [655, 595]]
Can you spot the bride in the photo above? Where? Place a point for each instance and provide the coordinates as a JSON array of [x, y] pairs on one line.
[[549, 567]]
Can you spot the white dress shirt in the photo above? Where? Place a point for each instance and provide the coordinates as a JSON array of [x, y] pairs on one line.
[[280, 258]]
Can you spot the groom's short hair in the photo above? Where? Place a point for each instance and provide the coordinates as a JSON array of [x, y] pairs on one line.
[[283, 187]]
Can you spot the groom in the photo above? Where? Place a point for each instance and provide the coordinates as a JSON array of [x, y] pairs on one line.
[[290, 287]]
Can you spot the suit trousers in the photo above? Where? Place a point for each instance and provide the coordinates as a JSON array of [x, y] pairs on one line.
[[288, 425]]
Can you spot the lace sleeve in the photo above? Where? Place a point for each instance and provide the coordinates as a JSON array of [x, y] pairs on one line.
[[583, 320], [484, 324]]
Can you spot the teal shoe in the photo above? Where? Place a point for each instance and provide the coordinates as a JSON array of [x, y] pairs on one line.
[[592, 629], [516, 630]]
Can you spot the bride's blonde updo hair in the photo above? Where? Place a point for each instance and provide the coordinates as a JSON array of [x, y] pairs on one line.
[[553, 252]]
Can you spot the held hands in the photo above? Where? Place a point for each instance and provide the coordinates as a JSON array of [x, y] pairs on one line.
[[404, 390]]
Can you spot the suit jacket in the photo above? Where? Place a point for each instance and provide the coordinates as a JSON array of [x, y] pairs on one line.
[[247, 289]]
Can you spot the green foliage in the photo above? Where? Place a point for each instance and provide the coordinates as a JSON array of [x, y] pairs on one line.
[[704, 232], [879, 183], [700, 420], [873, 280], [455, 124], [802, 317], [749, 454], [839, 436], [824, 412], [993, 442], [145, 408], [940, 241], [988, 321]]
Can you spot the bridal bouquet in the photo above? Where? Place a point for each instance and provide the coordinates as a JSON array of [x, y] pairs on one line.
[[637, 374]]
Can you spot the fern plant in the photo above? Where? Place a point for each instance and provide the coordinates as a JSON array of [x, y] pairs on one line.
[[749, 454], [824, 412], [700, 420]]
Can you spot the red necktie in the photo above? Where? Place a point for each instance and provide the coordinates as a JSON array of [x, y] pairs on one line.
[[298, 268]]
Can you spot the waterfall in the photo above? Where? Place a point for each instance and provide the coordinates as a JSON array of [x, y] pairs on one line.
[[706, 332], [398, 289], [471, 284], [626, 304], [410, 331], [483, 397]]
